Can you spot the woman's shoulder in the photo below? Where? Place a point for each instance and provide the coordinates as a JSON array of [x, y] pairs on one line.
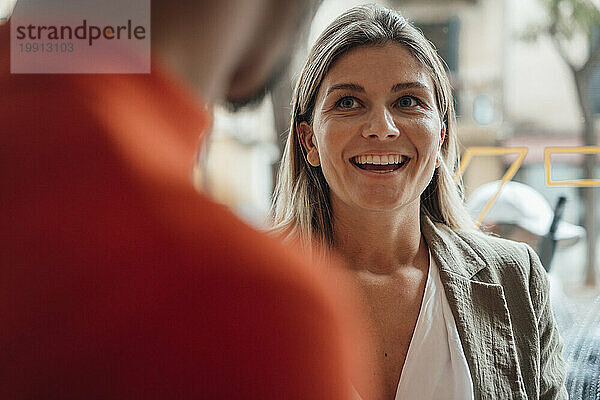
[[513, 265], [487, 246], [484, 257], [506, 261]]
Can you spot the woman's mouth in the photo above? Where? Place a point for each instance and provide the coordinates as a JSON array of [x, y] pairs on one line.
[[380, 164]]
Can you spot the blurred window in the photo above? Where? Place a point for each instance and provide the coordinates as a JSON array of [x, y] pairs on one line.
[[594, 85], [444, 36]]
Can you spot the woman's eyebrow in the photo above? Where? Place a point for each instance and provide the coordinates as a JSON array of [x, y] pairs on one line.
[[345, 86], [357, 88], [408, 85]]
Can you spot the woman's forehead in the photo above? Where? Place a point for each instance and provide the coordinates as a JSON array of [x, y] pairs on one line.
[[387, 64]]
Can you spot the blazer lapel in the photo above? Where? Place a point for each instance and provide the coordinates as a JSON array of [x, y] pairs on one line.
[[481, 316]]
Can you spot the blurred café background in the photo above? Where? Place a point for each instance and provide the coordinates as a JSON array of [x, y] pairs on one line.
[[526, 73]]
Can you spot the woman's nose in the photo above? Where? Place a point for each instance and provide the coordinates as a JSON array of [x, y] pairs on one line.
[[381, 126]]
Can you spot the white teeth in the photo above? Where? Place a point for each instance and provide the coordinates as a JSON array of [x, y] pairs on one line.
[[381, 160]]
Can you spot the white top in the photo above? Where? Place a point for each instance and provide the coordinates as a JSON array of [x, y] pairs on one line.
[[435, 366]]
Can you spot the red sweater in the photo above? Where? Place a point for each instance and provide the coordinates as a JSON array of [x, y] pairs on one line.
[[118, 280]]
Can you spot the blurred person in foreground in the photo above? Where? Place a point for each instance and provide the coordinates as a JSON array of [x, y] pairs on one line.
[[120, 281], [368, 171]]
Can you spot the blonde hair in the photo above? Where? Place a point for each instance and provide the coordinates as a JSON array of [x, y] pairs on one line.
[[301, 204]]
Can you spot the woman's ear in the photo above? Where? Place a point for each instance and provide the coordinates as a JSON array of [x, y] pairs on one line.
[[307, 138]]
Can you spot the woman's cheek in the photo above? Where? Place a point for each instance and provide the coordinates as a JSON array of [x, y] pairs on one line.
[[428, 131]]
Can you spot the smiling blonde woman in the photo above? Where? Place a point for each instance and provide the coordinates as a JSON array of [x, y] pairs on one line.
[[368, 173]]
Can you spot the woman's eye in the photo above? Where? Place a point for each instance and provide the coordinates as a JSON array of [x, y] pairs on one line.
[[407, 101], [347, 102]]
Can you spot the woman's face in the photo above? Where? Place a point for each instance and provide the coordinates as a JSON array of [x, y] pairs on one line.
[[376, 129]]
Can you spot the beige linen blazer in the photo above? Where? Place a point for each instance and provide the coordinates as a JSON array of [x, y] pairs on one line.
[[498, 293]]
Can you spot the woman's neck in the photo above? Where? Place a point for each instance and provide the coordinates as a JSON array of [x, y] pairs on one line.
[[379, 242]]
